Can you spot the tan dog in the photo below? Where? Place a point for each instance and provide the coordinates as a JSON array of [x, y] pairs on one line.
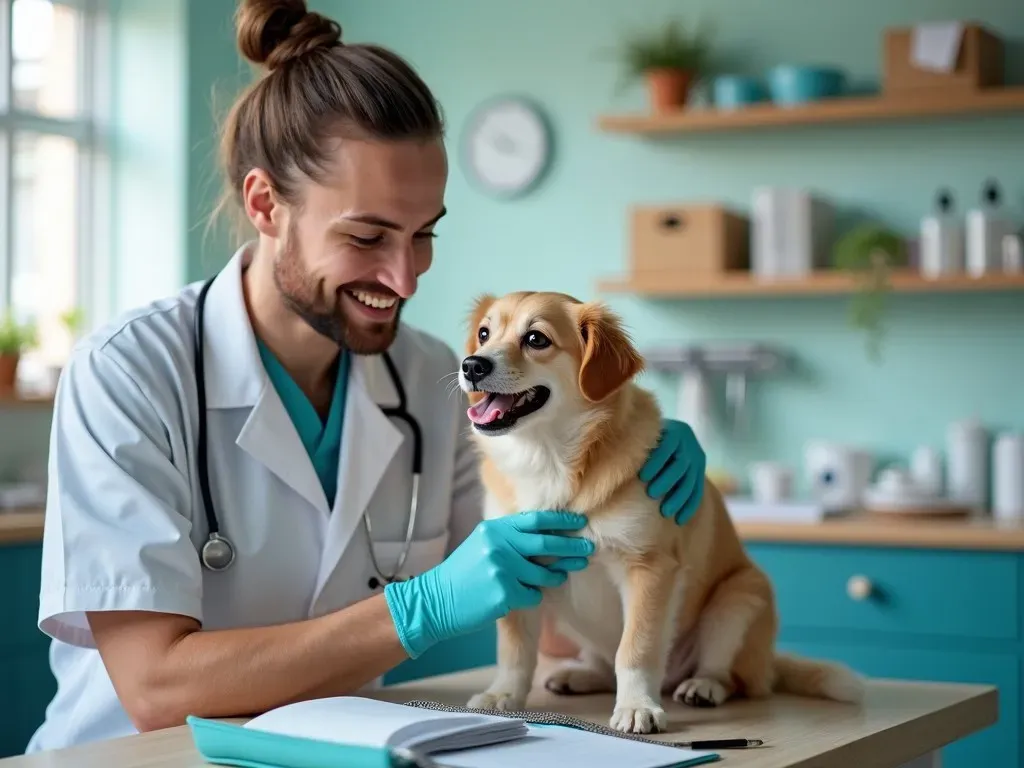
[[662, 607]]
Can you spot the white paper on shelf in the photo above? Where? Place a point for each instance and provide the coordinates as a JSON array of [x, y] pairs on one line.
[[935, 45]]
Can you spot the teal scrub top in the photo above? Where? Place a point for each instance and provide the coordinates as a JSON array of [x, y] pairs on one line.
[[322, 439]]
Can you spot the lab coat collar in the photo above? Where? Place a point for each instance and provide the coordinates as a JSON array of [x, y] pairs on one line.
[[234, 372], [369, 443]]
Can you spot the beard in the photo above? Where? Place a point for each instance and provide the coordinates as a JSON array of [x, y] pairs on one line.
[[303, 294]]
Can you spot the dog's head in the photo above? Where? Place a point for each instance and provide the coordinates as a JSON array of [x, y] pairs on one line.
[[536, 359]]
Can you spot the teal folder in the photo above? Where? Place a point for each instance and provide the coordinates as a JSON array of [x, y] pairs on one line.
[[228, 744]]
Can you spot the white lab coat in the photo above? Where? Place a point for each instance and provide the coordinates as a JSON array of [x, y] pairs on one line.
[[124, 515]]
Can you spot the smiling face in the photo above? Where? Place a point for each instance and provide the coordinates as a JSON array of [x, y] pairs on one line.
[[350, 254], [538, 359]]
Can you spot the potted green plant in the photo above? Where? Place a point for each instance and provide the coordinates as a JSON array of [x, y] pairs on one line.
[[15, 338], [871, 252], [74, 320], [670, 60]]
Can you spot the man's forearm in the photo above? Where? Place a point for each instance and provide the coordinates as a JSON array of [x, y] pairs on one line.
[[238, 672]]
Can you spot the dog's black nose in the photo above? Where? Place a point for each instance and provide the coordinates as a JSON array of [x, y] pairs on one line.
[[476, 368]]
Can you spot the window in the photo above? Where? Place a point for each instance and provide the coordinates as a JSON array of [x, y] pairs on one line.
[[52, 167]]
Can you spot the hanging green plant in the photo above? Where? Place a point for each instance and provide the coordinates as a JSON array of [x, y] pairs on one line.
[[871, 252]]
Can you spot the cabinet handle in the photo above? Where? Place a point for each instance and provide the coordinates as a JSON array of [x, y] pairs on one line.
[[858, 587]]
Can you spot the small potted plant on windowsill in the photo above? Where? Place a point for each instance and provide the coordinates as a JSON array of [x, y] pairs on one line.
[[15, 338], [670, 60]]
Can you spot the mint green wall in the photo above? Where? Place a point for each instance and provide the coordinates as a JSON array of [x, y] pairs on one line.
[[149, 158], [216, 74], [945, 358]]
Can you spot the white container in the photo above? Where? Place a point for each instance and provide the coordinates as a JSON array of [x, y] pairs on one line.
[[941, 242], [770, 482], [967, 456], [926, 470], [1008, 477], [837, 474], [985, 230], [790, 232], [1013, 254]]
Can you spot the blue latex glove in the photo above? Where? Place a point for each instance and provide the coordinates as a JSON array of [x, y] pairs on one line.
[[487, 576], [674, 472]]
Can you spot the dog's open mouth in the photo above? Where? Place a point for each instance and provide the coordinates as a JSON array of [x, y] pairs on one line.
[[499, 411]]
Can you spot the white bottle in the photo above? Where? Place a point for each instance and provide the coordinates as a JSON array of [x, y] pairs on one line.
[[1008, 477], [967, 472], [987, 225], [942, 240], [926, 470], [1013, 253]]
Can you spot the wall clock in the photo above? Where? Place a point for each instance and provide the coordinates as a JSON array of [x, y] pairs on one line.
[[507, 146]]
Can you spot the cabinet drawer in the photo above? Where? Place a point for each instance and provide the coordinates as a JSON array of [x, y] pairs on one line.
[[999, 744], [923, 592]]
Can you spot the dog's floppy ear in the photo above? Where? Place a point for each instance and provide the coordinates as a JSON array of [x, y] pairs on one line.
[[480, 306], [609, 357]]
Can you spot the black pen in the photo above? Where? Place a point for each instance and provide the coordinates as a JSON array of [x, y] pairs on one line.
[[721, 744]]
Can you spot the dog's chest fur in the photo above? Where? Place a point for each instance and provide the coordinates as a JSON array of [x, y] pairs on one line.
[[541, 479]]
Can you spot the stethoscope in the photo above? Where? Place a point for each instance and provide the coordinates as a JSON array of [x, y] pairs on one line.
[[218, 553]]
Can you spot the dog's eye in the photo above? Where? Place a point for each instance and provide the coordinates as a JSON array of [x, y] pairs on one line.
[[482, 335], [537, 340]]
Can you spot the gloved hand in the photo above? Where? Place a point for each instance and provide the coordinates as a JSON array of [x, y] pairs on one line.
[[674, 471], [487, 576]]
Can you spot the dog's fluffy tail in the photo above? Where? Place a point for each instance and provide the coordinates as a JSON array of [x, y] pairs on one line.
[[819, 679]]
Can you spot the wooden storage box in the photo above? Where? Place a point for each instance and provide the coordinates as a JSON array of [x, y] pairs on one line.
[[688, 240], [979, 63]]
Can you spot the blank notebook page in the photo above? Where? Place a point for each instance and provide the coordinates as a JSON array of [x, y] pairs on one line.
[[557, 747], [353, 720]]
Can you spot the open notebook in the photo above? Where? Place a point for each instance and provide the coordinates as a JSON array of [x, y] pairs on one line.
[[365, 733]]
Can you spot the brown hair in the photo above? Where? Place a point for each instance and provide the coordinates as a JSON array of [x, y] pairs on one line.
[[315, 90]]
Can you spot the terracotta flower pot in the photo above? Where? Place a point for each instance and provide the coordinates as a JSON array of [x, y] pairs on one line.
[[8, 373], [668, 88]]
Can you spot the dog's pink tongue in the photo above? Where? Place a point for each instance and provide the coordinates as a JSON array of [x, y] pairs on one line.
[[489, 409]]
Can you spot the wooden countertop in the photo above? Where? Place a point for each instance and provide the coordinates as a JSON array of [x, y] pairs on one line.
[[19, 526], [898, 722], [885, 531]]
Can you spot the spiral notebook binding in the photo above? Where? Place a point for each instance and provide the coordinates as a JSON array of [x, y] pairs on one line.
[[540, 718]]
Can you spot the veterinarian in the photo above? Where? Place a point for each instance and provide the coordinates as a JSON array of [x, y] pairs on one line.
[[231, 489]]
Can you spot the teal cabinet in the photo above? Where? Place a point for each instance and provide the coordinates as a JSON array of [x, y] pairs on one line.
[[26, 684], [914, 614]]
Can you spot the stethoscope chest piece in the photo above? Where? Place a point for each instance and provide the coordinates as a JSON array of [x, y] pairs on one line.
[[218, 554]]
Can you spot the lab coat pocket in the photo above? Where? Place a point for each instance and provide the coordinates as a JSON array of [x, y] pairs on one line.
[[423, 555]]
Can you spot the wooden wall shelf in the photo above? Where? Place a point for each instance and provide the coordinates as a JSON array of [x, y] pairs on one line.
[[742, 284], [832, 111]]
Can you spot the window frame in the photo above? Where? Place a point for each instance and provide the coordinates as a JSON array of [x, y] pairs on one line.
[[89, 130]]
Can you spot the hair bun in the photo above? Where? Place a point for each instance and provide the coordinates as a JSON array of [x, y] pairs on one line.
[[272, 32]]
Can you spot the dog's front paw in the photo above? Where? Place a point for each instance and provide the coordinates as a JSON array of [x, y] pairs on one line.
[[701, 692], [574, 678], [639, 719], [500, 700]]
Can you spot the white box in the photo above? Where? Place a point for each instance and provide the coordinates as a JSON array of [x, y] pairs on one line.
[[790, 232]]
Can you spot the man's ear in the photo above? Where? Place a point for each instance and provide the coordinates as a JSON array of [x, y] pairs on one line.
[[480, 306], [609, 357]]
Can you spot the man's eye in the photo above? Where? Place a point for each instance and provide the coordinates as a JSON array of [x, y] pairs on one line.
[[366, 242]]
